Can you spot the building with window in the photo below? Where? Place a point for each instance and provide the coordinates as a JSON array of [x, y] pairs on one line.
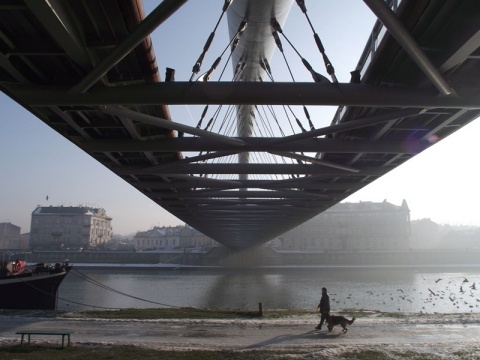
[[171, 238], [352, 227], [69, 227], [426, 234], [9, 236], [158, 238]]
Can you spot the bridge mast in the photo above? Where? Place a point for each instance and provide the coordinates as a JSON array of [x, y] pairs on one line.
[[256, 45]]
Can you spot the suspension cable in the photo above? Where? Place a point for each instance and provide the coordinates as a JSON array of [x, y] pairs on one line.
[[232, 44], [278, 29], [328, 65], [266, 124], [198, 64], [229, 114], [264, 65], [307, 114], [274, 117]]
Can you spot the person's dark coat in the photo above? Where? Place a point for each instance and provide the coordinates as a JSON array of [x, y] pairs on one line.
[[324, 305]]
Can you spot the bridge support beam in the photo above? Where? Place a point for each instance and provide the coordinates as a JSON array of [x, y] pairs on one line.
[[150, 23], [398, 31], [257, 93]]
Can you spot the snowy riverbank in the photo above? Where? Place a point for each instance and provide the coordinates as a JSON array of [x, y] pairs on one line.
[[441, 334]]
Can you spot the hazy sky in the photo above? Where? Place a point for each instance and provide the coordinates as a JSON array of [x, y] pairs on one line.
[[35, 161]]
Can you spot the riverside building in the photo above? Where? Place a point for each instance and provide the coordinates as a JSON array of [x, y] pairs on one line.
[[171, 238], [9, 236], [363, 226], [69, 227]]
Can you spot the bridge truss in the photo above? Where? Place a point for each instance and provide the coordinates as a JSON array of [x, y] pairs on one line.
[[88, 70]]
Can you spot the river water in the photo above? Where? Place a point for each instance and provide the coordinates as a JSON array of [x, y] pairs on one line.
[[441, 290]]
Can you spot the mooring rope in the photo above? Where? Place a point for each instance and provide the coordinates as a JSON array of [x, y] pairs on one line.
[[108, 288]]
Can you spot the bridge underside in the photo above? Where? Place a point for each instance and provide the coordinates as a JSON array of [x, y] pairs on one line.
[[88, 70]]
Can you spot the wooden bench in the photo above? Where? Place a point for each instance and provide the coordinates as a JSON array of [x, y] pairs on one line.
[[63, 334]]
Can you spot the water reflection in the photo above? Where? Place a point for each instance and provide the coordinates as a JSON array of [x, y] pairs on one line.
[[244, 289], [383, 289]]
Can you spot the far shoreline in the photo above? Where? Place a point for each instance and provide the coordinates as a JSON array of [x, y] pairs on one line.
[[163, 266]]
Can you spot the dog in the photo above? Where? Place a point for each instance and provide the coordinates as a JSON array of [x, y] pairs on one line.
[[333, 321]]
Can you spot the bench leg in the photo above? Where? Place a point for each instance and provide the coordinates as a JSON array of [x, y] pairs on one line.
[[63, 340]]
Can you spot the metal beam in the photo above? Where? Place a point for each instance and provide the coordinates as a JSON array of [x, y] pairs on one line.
[[246, 184], [150, 23], [197, 181], [291, 201], [255, 93], [243, 211], [401, 34], [257, 144], [167, 124], [350, 125], [462, 53], [253, 195], [248, 169], [300, 201], [313, 160], [209, 156], [52, 14]]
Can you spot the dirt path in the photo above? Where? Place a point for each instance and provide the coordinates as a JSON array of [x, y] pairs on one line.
[[439, 334]]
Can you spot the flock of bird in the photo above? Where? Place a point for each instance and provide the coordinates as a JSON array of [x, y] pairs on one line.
[[464, 291], [454, 294]]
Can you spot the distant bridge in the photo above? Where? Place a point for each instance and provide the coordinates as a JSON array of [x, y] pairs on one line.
[[88, 70]]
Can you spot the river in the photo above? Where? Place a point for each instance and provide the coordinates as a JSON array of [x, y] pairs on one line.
[[441, 290]]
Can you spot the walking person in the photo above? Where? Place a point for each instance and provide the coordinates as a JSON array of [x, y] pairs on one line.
[[324, 308]]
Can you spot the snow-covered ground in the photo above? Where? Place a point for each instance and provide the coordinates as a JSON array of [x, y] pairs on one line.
[[440, 334]]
